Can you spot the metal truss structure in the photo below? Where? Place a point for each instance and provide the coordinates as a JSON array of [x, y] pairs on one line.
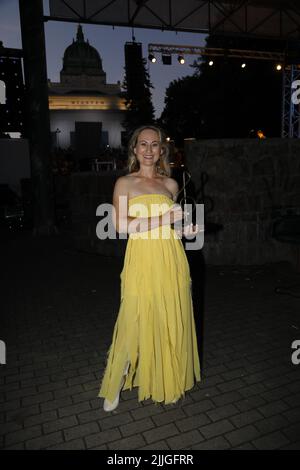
[[215, 52], [253, 18], [291, 103]]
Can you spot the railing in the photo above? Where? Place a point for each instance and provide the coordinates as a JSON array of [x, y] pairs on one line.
[[100, 165]]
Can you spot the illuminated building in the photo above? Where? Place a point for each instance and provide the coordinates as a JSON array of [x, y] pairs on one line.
[[86, 113]]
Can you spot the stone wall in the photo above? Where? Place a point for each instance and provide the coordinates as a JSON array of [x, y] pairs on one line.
[[250, 183]]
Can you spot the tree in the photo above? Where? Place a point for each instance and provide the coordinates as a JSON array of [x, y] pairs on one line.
[[225, 101], [182, 115], [137, 86]]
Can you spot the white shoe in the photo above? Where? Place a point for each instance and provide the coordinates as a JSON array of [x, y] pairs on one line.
[[110, 406]]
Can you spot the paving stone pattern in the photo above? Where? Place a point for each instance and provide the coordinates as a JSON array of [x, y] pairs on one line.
[[60, 307]]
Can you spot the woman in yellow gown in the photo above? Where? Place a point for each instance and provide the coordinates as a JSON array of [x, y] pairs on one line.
[[154, 345]]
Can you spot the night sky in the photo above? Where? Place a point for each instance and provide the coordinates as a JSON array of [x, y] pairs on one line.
[[110, 44]]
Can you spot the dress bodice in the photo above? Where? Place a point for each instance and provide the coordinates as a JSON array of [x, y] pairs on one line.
[[151, 205]]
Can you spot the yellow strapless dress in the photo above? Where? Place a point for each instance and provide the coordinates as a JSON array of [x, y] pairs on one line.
[[155, 328]]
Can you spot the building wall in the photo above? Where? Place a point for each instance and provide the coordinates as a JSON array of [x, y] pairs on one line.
[[65, 121], [86, 192], [14, 162], [251, 183]]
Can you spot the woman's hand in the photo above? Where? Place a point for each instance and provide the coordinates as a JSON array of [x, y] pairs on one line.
[[190, 231], [174, 214]]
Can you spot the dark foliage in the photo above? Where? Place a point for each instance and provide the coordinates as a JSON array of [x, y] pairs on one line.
[[225, 100]]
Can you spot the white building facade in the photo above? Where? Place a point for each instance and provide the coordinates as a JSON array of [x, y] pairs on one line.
[[86, 113]]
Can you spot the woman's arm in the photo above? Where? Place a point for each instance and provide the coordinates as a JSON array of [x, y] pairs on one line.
[[121, 220], [187, 231]]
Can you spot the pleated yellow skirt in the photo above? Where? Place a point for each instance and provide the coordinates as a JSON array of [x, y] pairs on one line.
[[155, 327]]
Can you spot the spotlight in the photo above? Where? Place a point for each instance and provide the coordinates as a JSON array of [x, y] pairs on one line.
[[166, 59], [243, 65], [180, 59], [152, 58], [211, 63], [278, 67], [260, 134]]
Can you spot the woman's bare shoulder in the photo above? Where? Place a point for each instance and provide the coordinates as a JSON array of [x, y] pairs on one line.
[[127, 177], [171, 181], [124, 179], [171, 185], [123, 184]]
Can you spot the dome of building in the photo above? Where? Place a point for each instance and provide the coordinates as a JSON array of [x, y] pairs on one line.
[[80, 58]]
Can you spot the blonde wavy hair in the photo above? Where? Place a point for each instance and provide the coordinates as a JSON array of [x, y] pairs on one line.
[[162, 166]]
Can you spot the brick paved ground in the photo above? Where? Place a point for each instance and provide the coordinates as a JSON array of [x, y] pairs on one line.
[[60, 308]]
